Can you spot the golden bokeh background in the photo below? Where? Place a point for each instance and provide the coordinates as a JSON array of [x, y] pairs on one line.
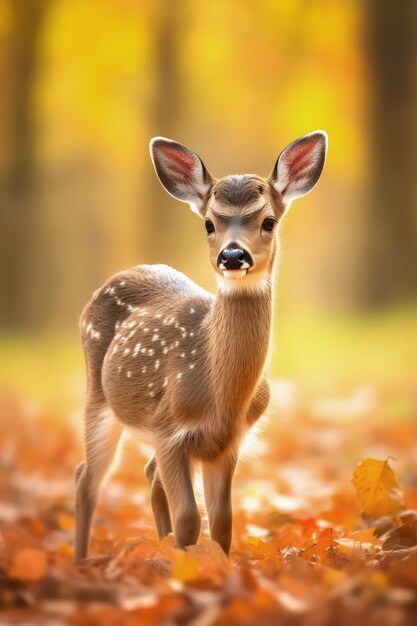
[[85, 85]]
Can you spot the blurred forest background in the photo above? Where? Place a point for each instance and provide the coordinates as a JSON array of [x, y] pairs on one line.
[[85, 85]]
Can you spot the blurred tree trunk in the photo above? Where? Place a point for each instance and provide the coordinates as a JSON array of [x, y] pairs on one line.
[[165, 114], [390, 266], [18, 207]]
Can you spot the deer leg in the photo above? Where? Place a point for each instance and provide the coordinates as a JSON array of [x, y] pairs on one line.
[[174, 468], [217, 481], [78, 472], [159, 500], [102, 437]]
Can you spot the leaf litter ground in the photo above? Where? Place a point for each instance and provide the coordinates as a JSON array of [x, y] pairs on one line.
[[310, 546]]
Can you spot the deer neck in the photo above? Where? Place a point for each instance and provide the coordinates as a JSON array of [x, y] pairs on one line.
[[239, 328]]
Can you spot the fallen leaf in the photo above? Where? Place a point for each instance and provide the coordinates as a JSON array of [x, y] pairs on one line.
[[185, 566], [378, 488], [29, 564]]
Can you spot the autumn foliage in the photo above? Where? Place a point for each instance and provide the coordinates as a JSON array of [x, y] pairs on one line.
[[325, 530]]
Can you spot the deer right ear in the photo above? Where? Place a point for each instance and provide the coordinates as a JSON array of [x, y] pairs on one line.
[[181, 172], [299, 166]]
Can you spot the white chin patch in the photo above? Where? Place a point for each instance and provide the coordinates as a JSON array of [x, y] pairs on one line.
[[234, 274]]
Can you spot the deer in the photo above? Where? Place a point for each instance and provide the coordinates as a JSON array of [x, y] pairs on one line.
[[184, 368]]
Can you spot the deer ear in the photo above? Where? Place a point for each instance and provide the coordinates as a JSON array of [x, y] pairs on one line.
[[181, 172], [299, 166]]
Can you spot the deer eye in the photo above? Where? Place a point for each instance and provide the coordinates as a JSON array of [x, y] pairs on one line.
[[268, 224], [209, 227]]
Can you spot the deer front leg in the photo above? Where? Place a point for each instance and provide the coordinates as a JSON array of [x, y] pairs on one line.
[[174, 467], [217, 480], [159, 500]]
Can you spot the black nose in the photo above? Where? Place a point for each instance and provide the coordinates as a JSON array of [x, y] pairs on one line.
[[232, 258]]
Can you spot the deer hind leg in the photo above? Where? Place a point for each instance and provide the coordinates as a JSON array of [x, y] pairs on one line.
[[174, 469], [159, 500], [217, 481], [103, 432]]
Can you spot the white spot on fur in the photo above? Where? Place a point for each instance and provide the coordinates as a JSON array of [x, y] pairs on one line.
[[192, 366], [155, 337], [182, 355], [179, 375], [164, 384], [143, 369], [128, 374], [156, 365], [192, 310], [127, 350]]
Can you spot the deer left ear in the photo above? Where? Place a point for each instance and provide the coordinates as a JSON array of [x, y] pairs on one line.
[[181, 172], [299, 166]]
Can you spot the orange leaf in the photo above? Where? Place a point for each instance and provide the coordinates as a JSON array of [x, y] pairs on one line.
[[29, 564], [378, 488]]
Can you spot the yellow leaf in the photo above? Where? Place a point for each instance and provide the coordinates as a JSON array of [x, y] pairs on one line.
[[364, 536], [65, 521], [332, 577], [253, 540], [378, 488], [184, 567], [66, 551]]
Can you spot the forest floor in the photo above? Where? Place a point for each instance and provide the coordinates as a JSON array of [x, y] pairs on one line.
[[309, 547]]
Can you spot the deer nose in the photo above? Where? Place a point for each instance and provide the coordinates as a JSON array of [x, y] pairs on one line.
[[233, 258]]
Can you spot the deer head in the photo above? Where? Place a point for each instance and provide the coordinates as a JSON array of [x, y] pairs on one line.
[[241, 212]]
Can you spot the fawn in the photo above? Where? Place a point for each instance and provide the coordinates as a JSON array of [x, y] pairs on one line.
[[185, 367]]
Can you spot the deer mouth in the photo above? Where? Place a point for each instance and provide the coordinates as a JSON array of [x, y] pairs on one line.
[[235, 274]]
